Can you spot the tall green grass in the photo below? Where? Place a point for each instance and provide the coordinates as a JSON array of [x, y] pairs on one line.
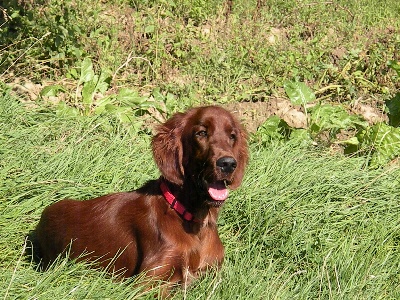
[[304, 225]]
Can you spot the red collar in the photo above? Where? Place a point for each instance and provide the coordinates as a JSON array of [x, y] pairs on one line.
[[174, 203]]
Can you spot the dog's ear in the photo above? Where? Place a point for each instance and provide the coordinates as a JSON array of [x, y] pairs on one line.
[[168, 150], [242, 156]]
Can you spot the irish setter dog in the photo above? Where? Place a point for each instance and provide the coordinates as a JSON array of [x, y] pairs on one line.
[[168, 227]]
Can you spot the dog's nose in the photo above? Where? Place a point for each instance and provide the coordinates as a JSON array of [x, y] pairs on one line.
[[227, 164]]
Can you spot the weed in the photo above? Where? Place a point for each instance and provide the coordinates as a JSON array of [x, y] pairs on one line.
[[380, 141], [90, 98]]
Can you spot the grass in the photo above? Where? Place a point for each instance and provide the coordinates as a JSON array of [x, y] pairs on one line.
[[305, 224]]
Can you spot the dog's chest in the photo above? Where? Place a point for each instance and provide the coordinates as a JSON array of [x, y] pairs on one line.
[[207, 251]]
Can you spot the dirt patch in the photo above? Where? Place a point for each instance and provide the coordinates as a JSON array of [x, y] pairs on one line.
[[251, 114], [371, 113], [26, 90]]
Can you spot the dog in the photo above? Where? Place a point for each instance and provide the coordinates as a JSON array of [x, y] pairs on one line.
[[167, 228]]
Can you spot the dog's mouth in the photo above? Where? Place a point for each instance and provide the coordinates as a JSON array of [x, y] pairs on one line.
[[217, 191]]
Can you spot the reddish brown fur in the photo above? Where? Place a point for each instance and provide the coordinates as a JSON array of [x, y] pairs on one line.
[[138, 231]]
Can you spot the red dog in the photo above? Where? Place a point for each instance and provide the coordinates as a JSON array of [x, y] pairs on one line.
[[168, 227]]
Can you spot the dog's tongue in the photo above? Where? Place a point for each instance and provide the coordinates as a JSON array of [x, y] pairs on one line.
[[218, 191]]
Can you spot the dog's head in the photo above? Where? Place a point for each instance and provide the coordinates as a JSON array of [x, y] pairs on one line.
[[206, 146]]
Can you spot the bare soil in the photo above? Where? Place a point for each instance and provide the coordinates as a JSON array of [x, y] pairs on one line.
[[251, 114]]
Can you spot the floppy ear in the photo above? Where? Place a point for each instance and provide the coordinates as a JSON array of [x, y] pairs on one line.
[[167, 149], [242, 158]]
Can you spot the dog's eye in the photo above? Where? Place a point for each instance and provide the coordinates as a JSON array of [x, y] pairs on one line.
[[202, 133], [233, 137]]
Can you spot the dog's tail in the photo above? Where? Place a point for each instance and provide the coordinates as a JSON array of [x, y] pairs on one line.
[[32, 251]]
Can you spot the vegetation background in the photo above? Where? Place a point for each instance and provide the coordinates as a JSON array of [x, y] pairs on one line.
[[316, 83]]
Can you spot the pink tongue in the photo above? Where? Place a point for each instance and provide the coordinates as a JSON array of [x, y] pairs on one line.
[[218, 191]]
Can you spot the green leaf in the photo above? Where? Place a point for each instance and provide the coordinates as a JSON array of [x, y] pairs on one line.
[[103, 82], [149, 29], [52, 90], [124, 114], [130, 97], [170, 97], [300, 137], [14, 14], [393, 107], [298, 92], [329, 117], [351, 141], [273, 128], [395, 65], [87, 73], [72, 73], [384, 142], [157, 95], [64, 109], [88, 92], [102, 103], [145, 105], [110, 108]]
